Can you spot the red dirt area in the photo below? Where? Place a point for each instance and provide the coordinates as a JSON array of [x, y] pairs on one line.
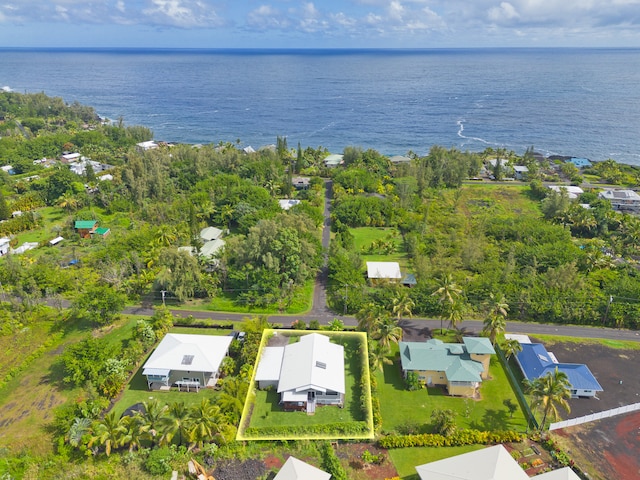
[[350, 455], [607, 449]]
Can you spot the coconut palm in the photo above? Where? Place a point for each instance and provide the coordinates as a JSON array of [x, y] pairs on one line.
[[387, 331], [207, 422], [403, 305], [152, 413], [166, 235], [109, 432], [176, 422], [456, 312], [136, 431], [549, 392], [494, 325], [231, 400], [369, 316], [447, 292], [511, 347], [378, 356]]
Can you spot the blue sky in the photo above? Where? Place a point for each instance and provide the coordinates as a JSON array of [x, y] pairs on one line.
[[319, 24]]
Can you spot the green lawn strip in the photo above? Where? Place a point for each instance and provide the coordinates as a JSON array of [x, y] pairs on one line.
[[616, 344], [262, 409], [400, 407], [229, 303], [407, 459]]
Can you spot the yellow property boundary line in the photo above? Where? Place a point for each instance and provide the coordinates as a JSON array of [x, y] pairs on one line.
[[251, 394]]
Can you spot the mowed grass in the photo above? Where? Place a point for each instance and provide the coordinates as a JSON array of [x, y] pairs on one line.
[[407, 459], [228, 302], [263, 409], [137, 390], [550, 340], [365, 236], [401, 408]]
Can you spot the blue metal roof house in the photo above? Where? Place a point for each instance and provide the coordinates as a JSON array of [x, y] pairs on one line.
[[535, 362], [580, 162]]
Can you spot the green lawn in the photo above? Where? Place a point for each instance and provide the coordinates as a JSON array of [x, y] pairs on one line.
[[406, 459], [263, 409], [301, 303], [364, 236], [400, 407], [137, 391]]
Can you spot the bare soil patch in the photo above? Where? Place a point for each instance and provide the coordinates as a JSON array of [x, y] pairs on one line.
[[613, 368], [606, 449], [350, 454]]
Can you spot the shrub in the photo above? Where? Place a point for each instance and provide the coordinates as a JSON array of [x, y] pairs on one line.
[[461, 437], [159, 461]]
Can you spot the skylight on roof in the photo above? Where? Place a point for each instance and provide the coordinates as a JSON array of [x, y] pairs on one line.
[[321, 365], [187, 360], [543, 358]]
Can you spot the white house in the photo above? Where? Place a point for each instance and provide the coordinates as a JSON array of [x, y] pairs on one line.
[[4, 246], [286, 204], [622, 200], [572, 190], [148, 145], [305, 373], [520, 171], [210, 233], [294, 469], [491, 463], [383, 270], [186, 361], [334, 160]]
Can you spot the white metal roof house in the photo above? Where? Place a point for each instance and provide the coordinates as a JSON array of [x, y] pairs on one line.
[[383, 270], [294, 469], [491, 463], [572, 190], [210, 233], [286, 204], [148, 145], [4, 246], [305, 373], [186, 361]]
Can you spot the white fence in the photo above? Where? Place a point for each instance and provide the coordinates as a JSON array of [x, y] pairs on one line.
[[595, 416]]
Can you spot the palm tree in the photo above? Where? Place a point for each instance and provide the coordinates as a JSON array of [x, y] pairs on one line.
[[206, 421], [447, 292], [369, 316], [136, 431], [226, 214], [550, 392], [68, 201], [496, 322], [231, 400], [79, 428], [177, 422], [378, 357], [403, 304], [387, 331], [152, 414], [166, 235], [511, 347], [109, 432], [456, 312]]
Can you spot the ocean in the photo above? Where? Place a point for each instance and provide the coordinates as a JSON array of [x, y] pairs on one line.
[[578, 102]]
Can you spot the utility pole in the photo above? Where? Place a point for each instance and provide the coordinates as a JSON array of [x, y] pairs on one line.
[[345, 298], [606, 313], [163, 293]]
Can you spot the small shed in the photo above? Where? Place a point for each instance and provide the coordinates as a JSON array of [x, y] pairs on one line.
[[4, 246], [102, 231], [55, 241]]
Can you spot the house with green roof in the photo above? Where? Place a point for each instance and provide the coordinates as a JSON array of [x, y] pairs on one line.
[[460, 367], [85, 227]]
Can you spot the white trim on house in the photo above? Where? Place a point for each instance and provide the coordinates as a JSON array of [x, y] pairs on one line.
[[186, 358]]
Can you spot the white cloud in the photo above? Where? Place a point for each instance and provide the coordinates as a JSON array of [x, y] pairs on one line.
[[267, 17], [182, 13], [502, 13]]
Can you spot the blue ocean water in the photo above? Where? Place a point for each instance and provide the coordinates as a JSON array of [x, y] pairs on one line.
[[580, 102]]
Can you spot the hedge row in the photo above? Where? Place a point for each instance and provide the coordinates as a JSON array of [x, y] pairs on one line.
[[461, 437], [339, 428]]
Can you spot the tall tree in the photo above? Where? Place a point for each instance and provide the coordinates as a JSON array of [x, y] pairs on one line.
[[387, 331], [177, 422], [447, 292], [402, 305], [496, 321], [207, 422], [549, 392]]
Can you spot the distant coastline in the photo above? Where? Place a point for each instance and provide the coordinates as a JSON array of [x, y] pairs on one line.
[[562, 101]]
